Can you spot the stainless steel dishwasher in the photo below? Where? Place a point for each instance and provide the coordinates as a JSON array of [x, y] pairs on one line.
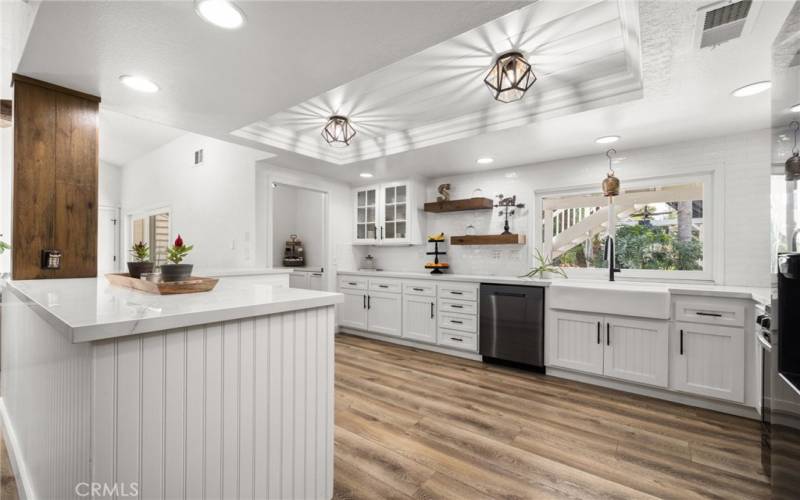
[[512, 324]]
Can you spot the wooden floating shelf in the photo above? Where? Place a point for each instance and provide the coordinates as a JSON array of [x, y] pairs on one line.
[[460, 205], [488, 239]]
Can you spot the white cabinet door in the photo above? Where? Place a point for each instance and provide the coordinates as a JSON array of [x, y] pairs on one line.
[[367, 216], [353, 311], [637, 350], [298, 279], [709, 360], [395, 213], [384, 313], [316, 281], [419, 318], [576, 341]]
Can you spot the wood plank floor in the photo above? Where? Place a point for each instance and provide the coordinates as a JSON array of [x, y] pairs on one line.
[[416, 424]]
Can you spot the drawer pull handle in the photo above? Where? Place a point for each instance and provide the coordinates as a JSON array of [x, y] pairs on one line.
[[352, 283], [457, 339], [316, 274], [456, 293], [418, 289], [432, 307], [598, 332], [456, 322], [681, 342], [455, 306], [608, 334], [365, 301], [714, 315], [383, 286]]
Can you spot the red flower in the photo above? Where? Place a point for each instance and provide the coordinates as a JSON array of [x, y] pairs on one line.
[[179, 241]]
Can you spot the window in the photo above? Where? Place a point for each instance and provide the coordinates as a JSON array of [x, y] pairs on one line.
[[658, 228], [153, 229]]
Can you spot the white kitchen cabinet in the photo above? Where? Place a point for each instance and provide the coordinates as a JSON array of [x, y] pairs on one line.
[[298, 279], [389, 214], [316, 281], [637, 350], [576, 341], [708, 360], [384, 313], [353, 311], [419, 318]]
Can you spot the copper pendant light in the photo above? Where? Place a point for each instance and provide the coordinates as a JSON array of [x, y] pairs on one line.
[[510, 77], [338, 132], [792, 165], [610, 183]]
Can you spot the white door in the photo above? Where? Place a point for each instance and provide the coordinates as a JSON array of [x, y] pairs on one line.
[[366, 217], [316, 281], [576, 341], [395, 213], [709, 360], [353, 311], [385, 313], [298, 279], [637, 350], [108, 258], [419, 318]]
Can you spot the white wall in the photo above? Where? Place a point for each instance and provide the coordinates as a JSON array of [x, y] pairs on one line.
[[16, 20], [299, 211], [212, 205], [109, 185], [741, 163]]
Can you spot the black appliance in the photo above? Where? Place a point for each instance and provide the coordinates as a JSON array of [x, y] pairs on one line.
[[784, 412], [512, 324]]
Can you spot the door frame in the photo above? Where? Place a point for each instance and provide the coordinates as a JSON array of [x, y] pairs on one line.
[[117, 236]]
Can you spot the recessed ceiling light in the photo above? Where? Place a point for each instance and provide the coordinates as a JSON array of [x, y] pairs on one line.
[[485, 160], [139, 83], [795, 108], [607, 139], [222, 13], [366, 175], [752, 89]]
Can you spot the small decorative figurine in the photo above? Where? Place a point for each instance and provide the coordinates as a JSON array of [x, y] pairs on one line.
[[444, 191]]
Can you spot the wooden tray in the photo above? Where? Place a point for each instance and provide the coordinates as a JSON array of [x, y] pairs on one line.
[[194, 284]]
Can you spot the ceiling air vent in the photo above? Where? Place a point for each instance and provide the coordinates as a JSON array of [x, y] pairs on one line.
[[724, 23]]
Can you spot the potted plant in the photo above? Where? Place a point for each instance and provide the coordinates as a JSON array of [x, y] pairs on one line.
[[141, 263], [175, 271]]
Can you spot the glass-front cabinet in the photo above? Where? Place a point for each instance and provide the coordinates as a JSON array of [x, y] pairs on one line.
[[385, 214]]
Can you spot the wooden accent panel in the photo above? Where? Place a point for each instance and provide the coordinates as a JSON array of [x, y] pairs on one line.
[[55, 179], [34, 179], [488, 239], [459, 205]]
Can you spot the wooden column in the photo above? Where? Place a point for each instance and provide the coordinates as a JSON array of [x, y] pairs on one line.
[[55, 179]]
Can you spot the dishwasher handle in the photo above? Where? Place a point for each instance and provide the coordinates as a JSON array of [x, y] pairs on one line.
[[508, 294]]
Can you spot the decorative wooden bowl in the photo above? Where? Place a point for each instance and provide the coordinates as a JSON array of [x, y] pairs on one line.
[[195, 284]]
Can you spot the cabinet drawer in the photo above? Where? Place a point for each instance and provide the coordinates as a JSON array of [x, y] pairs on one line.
[[458, 291], [460, 322], [389, 286], [458, 306], [458, 340], [352, 282], [710, 312], [419, 288]]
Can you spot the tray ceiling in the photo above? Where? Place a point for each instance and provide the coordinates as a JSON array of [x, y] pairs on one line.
[[585, 54]]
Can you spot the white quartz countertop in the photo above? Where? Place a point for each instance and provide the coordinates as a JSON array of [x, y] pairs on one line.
[[91, 309], [247, 271], [758, 294]]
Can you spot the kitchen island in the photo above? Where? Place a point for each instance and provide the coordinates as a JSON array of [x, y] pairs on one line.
[[119, 393]]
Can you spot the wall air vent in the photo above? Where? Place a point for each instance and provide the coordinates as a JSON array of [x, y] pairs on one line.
[[725, 22], [198, 157]]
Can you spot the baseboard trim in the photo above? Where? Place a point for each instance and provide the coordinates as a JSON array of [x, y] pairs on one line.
[[654, 392], [24, 490], [411, 343]]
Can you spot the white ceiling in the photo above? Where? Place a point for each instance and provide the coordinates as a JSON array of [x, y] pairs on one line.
[[215, 81], [124, 138], [584, 54]]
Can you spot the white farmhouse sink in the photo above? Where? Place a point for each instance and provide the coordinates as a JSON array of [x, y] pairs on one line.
[[606, 297]]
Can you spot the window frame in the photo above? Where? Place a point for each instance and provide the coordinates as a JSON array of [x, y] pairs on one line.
[[712, 219]]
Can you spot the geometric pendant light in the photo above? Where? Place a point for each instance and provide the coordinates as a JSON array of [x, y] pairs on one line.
[[510, 77], [338, 132]]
